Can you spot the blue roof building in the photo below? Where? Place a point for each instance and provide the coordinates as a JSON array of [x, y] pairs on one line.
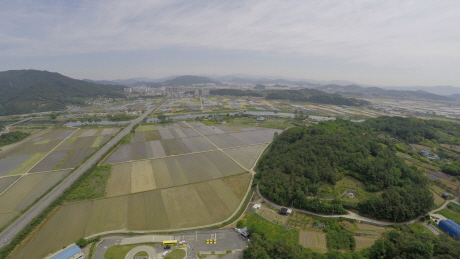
[[72, 252], [450, 227], [425, 153]]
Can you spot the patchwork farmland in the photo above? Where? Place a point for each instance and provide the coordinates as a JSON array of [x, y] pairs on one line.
[[169, 177], [31, 168]]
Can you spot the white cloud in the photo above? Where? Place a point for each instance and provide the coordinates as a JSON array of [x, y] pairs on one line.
[[408, 34]]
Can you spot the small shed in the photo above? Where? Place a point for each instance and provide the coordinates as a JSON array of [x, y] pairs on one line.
[[445, 195], [285, 211], [256, 206]]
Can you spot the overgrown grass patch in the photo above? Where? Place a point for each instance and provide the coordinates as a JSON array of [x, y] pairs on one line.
[[176, 254], [92, 186], [450, 215], [257, 224]]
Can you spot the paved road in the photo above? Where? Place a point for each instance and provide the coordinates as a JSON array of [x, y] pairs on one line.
[[13, 229]]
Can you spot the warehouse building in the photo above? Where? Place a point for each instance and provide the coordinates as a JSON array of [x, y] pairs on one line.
[[450, 227], [71, 252]]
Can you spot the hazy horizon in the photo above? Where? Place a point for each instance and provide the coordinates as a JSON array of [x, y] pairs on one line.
[[390, 43]]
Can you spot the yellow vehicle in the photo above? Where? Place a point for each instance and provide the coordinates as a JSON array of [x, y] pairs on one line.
[[170, 243]]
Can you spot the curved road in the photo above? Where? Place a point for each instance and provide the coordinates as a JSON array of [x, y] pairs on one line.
[[352, 215], [14, 228], [152, 253]]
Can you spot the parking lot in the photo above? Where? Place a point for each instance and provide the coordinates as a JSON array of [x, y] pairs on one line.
[[226, 240]]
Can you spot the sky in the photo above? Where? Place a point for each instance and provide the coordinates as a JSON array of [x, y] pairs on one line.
[[392, 42]]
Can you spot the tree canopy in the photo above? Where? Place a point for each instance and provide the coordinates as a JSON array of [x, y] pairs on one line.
[[302, 158]]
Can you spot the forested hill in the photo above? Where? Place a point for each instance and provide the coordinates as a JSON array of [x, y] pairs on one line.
[[301, 159], [25, 91], [303, 95]]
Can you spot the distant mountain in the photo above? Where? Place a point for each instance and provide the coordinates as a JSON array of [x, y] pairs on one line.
[[440, 90], [360, 91], [189, 80], [25, 91], [102, 82]]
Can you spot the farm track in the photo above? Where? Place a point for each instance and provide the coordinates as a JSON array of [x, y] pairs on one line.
[[352, 215]]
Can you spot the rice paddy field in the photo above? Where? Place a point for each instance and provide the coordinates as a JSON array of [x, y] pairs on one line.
[[194, 137], [178, 207], [174, 176], [31, 168]]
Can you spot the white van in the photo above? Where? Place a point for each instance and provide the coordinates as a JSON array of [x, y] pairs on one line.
[[165, 253]]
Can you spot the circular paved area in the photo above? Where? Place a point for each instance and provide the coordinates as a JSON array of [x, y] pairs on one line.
[[152, 253]]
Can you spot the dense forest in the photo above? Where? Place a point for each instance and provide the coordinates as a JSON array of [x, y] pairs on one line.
[[303, 95], [314, 96], [12, 137], [394, 244], [301, 159], [26, 91]]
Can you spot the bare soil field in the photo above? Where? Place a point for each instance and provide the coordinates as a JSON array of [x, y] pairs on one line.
[[189, 132], [155, 208], [241, 157], [108, 214], [161, 174], [8, 164], [192, 169], [185, 207], [171, 147], [27, 189], [122, 154], [5, 182], [152, 135], [26, 165], [239, 183], [165, 134], [137, 218], [145, 127], [455, 148], [314, 240], [177, 173], [177, 207], [202, 144], [157, 148], [142, 177], [76, 157], [226, 165], [438, 200], [214, 204], [138, 151], [6, 217], [138, 137], [365, 241], [120, 180], [49, 162]]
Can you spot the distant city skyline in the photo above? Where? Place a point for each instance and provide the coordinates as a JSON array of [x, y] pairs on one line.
[[400, 43]]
